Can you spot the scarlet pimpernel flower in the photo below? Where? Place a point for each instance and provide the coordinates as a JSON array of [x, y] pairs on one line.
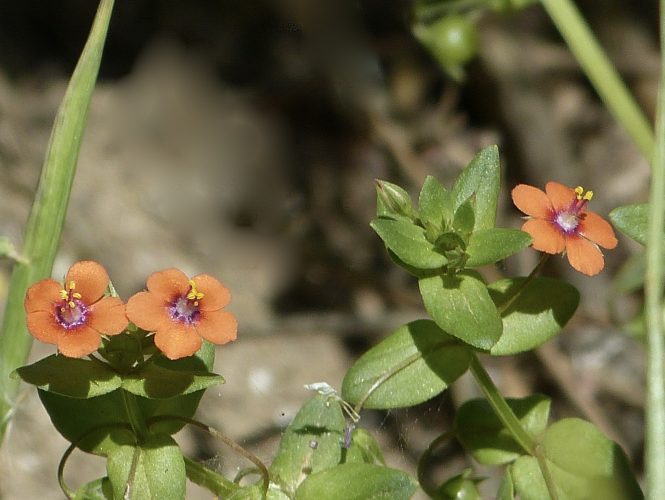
[[74, 315], [183, 311], [559, 221]]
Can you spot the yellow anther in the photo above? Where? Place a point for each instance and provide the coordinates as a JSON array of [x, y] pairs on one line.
[[62, 309], [579, 190], [194, 294], [76, 295], [63, 294], [588, 195], [71, 304], [72, 285], [196, 303]]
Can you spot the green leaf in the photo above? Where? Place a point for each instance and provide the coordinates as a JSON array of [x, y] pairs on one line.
[[506, 487], [462, 307], [582, 462], [312, 442], [72, 377], [415, 363], [480, 178], [482, 433], [631, 220], [158, 472], [156, 382], [458, 487], [47, 216], [74, 418], [487, 246], [99, 489], [357, 482], [434, 204], [539, 311], [464, 219], [409, 243], [364, 449]]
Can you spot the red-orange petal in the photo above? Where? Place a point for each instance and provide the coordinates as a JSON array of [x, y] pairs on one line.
[[43, 326], [561, 196], [178, 341], [168, 284], [215, 295], [107, 316], [546, 237], [598, 230], [584, 256], [79, 342], [147, 311], [42, 296], [532, 201], [91, 280], [218, 327]]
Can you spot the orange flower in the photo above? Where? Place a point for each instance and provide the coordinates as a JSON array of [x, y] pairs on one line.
[[559, 220], [73, 316], [182, 311]]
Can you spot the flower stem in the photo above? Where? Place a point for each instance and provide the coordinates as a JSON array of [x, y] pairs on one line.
[[601, 72], [534, 272], [209, 479], [134, 415], [510, 421], [500, 407], [47, 217], [654, 455]]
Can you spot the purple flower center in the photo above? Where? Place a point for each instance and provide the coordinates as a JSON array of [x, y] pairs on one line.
[[71, 314], [184, 310], [568, 220]]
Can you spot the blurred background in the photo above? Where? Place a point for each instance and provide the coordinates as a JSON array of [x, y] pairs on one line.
[[242, 139]]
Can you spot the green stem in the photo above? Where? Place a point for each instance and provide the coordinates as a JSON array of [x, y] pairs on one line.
[[601, 72], [510, 421], [209, 479], [134, 415], [501, 408], [541, 263], [47, 217], [653, 284], [424, 459]]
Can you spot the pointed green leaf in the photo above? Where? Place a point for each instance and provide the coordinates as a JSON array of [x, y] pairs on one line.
[[156, 382], [582, 463], [357, 482], [481, 178], [312, 442], [47, 216], [482, 433], [434, 203], [488, 246], [631, 220], [72, 377], [364, 449], [74, 418], [409, 243], [462, 307], [539, 311], [414, 364], [464, 219], [158, 471]]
